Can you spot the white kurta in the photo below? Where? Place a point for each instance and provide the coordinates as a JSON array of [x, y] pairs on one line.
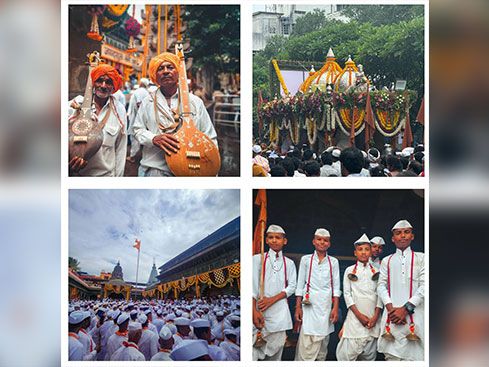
[[148, 344], [315, 317], [363, 294], [217, 353], [400, 276], [114, 343], [217, 330], [110, 159], [128, 353], [162, 356], [279, 277], [375, 263], [88, 345], [146, 128], [232, 350], [76, 349], [277, 317]]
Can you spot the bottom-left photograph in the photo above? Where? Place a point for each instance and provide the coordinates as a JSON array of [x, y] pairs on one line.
[[153, 275]]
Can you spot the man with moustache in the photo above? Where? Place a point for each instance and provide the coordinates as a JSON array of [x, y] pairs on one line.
[[110, 159], [158, 117]]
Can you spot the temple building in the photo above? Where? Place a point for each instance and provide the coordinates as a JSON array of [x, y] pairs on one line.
[[210, 267]]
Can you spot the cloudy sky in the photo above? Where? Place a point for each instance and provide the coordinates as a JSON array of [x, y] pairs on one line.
[[103, 225]]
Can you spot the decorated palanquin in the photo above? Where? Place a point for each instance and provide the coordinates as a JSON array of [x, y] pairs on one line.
[[335, 98]]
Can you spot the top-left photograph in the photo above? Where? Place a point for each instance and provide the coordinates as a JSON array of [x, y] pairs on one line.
[[153, 90]]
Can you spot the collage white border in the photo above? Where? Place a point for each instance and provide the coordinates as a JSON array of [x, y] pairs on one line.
[[245, 183]]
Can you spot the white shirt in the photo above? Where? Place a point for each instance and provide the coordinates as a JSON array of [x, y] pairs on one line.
[[148, 344], [217, 353], [363, 294], [134, 103], [128, 353], [400, 274], [277, 317], [76, 349], [375, 263], [158, 323], [217, 330], [315, 317], [328, 170], [110, 159], [146, 128]]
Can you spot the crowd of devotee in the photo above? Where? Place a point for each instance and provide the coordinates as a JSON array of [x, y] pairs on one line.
[[337, 162], [384, 297], [205, 329]]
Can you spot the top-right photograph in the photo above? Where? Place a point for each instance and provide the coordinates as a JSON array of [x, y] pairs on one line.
[[338, 90]]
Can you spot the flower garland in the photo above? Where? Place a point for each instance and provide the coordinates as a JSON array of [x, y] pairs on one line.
[[294, 131], [280, 77], [311, 127]]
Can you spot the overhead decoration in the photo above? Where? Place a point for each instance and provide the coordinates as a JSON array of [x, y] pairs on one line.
[[95, 11], [133, 28], [218, 278], [113, 15], [333, 97]]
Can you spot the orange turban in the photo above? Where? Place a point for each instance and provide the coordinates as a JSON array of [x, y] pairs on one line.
[[104, 69], [156, 61]]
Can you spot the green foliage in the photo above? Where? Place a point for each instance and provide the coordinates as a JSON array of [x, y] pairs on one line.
[[383, 14], [214, 35], [308, 23], [73, 264]]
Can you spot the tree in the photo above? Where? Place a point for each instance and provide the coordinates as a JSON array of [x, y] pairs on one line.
[[73, 264], [310, 22], [383, 14], [214, 35]]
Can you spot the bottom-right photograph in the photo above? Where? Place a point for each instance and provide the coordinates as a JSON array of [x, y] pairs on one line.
[[339, 275]]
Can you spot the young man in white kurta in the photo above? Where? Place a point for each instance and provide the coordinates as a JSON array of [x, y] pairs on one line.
[[361, 328], [377, 249], [148, 344], [115, 341], [272, 314], [318, 317], [397, 269]]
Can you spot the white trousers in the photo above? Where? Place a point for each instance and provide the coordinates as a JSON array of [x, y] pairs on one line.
[[273, 349], [311, 347], [357, 349]]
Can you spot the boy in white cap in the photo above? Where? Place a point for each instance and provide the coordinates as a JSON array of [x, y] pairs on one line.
[[183, 329], [377, 249], [360, 329], [271, 315], [76, 349], [166, 344], [218, 327], [129, 351], [318, 286], [86, 338], [202, 330], [230, 345], [148, 344], [115, 341], [401, 288]]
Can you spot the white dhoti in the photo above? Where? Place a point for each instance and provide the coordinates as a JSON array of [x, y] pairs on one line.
[[272, 350], [311, 347], [357, 349], [390, 357]]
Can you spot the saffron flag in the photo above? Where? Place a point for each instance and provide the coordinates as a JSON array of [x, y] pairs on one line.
[[261, 201], [137, 244], [420, 117]]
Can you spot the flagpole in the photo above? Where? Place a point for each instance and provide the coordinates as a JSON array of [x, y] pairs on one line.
[[137, 269]]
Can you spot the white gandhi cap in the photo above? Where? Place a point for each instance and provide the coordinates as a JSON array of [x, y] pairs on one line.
[[377, 240], [134, 326], [188, 350], [402, 224], [322, 232], [165, 333], [363, 239], [275, 229]]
